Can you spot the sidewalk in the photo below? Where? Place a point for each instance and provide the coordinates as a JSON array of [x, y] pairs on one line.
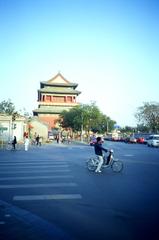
[[73, 142]]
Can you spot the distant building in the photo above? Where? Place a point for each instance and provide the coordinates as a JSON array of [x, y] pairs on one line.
[[10, 128], [38, 128], [54, 96]]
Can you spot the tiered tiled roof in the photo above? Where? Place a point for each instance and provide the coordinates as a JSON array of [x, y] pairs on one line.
[[57, 90]]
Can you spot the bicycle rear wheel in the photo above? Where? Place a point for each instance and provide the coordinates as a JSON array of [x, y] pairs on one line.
[[117, 166], [90, 165]]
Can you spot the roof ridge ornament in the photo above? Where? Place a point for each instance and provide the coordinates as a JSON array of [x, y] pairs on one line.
[[58, 78]]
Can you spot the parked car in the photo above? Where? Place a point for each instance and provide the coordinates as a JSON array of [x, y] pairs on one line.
[[131, 139], [153, 141], [50, 136], [141, 140]]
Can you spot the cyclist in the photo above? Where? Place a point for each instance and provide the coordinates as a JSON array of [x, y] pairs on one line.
[[99, 152]]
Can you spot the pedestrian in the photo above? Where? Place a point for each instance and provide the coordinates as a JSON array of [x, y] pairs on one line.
[[26, 143], [14, 142], [57, 138], [69, 139], [37, 140], [34, 139], [40, 141]]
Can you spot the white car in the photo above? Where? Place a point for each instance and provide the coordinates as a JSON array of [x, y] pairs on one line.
[[153, 141], [132, 139]]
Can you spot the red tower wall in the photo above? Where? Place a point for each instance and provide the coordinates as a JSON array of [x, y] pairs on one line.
[[50, 120]]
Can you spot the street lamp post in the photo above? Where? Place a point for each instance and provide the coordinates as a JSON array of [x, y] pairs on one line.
[[81, 137], [107, 126]]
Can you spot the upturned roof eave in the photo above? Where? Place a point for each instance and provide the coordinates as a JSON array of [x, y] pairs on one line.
[[59, 92], [59, 84], [47, 111]]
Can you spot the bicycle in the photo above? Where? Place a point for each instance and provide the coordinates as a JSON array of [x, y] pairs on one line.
[[115, 164], [9, 146]]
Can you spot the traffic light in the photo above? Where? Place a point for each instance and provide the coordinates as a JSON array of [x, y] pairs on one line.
[[13, 117]]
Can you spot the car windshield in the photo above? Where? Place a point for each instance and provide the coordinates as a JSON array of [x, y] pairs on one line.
[[156, 138]]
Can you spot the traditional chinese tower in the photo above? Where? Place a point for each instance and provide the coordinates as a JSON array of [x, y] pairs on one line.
[[54, 96]]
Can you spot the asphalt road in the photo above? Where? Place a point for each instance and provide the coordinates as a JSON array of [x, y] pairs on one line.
[[48, 193]]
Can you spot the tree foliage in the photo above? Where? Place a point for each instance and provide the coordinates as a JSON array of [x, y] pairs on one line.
[[127, 130], [7, 107], [86, 117], [148, 116]]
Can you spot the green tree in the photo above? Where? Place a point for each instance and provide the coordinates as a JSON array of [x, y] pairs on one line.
[[7, 107], [86, 117], [148, 116], [71, 119], [127, 130], [142, 128]]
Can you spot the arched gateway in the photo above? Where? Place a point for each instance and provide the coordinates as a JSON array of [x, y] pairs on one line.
[[54, 96]]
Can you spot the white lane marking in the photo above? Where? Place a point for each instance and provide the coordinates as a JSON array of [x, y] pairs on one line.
[[47, 197], [31, 163], [38, 185], [128, 155], [23, 159], [37, 166], [7, 215], [35, 177], [36, 171]]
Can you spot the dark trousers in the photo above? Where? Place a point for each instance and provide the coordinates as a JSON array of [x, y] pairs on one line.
[[13, 145]]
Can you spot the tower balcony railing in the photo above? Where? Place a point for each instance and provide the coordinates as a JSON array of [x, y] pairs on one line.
[[58, 103]]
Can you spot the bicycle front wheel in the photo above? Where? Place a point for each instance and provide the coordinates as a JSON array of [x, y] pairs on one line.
[[90, 165], [117, 166], [9, 147]]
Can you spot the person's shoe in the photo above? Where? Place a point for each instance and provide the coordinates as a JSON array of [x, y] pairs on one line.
[[99, 171]]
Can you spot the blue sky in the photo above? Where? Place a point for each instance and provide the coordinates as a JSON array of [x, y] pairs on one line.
[[110, 48]]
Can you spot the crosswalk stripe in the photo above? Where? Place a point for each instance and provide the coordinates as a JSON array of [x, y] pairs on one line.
[[38, 185], [35, 177], [47, 197], [45, 166], [32, 163], [35, 171]]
